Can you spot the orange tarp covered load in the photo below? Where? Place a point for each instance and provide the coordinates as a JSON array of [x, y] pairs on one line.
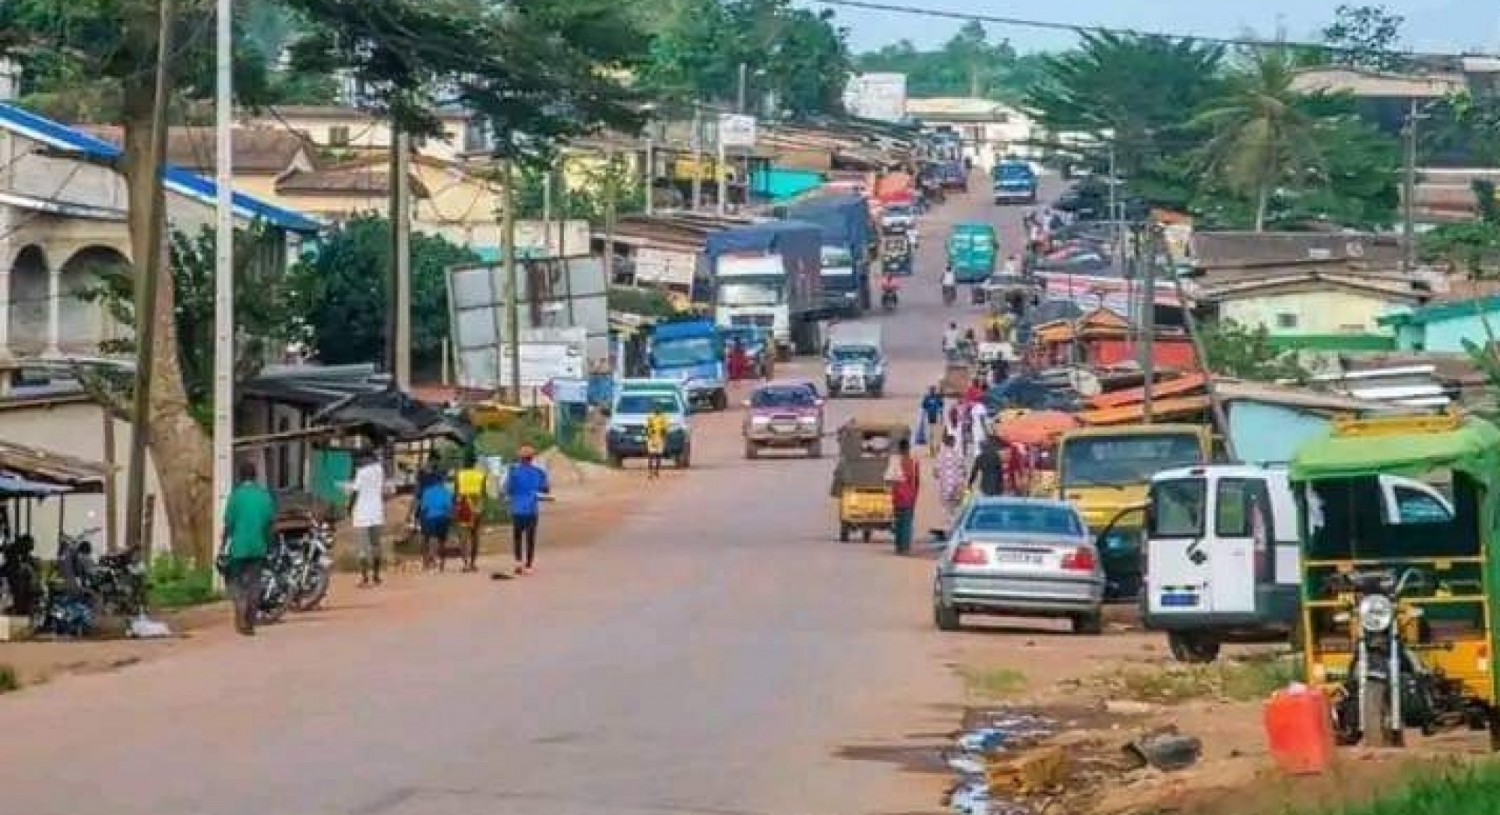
[[1134, 413], [1039, 427], [1181, 386]]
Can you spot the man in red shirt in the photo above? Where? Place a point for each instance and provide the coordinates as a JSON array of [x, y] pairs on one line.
[[904, 491]]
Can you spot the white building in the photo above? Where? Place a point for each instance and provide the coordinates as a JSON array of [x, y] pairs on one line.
[[988, 130]]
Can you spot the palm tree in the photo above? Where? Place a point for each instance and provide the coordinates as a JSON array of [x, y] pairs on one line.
[[1262, 134]]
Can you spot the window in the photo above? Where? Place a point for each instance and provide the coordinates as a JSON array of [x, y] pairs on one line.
[[1177, 508], [1417, 507], [1286, 320], [1236, 502], [338, 136], [1025, 519]]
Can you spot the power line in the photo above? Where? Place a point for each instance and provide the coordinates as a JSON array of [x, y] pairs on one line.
[[1075, 28]]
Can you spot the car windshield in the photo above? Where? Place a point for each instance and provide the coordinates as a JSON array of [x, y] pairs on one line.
[[639, 403], [836, 258], [1024, 519], [1119, 460], [848, 354], [682, 352], [750, 294], [783, 397], [898, 212]]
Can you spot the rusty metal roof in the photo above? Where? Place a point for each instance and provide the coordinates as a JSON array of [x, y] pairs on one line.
[[35, 464]]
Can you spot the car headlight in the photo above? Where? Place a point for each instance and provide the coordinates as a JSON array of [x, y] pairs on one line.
[[809, 421], [1376, 613], [760, 420]]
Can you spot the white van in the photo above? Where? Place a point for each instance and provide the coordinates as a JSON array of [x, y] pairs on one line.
[[1223, 558]]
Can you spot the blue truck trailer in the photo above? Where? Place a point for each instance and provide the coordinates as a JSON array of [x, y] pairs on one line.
[[846, 248], [768, 274]]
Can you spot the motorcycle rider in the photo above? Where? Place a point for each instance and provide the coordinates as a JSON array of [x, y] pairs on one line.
[[890, 289], [950, 339], [1012, 266], [950, 284]]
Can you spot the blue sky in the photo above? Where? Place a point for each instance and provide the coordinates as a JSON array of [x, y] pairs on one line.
[[1431, 25]]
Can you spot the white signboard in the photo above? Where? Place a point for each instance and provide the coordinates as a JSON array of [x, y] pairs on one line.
[[877, 96], [545, 356], [664, 267], [736, 130]]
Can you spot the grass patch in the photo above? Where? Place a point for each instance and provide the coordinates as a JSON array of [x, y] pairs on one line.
[[179, 582], [9, 679], [1470, 790], [991, 684], [1235, 680]]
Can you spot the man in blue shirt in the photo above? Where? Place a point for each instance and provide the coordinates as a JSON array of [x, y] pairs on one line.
[[435, 513], [932, 414], [525, 484]]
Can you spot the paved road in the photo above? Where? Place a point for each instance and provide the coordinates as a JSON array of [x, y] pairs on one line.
[[711, 655]]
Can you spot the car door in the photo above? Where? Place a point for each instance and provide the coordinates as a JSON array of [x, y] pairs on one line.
[[1239, 550], [1176, 571]]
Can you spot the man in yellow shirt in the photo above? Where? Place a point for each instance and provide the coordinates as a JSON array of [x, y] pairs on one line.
[[656, 440], [470, 510]]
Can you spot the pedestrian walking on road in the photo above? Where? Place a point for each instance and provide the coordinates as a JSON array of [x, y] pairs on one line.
[[950, 471], [525, 484], [249, 515], [435, 507], [656, 440], [932, 414], [988, 469], [905, 485], [367, 516], [469, 509]]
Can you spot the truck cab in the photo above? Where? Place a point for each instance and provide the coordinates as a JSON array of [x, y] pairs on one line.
[[854, 364], [691, 352], [1223, 560], [1014, 182], [972, 251], [1106, 471], [842, 284]]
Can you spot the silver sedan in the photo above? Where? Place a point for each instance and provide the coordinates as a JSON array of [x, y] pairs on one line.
[[1019, 557]]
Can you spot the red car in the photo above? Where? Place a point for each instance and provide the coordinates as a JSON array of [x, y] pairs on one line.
[[784, 414]]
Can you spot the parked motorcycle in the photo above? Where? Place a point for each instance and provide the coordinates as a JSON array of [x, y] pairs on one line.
[[1388, 687], [277, 581], [311, 563], [889, 300], [21, 589], [86, 587]]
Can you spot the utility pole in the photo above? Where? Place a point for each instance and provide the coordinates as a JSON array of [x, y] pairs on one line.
[[1221, 419], [146, 286], [1148, 321], [1114, 211], [223, 437], [401, 259], [740, 106], [512, 285], [719, 166], [1409, 192], [609, 216], [697, 142], [649, 182]]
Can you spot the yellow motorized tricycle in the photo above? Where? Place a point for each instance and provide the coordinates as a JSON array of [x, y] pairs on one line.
[[1398, 587], [859, 485]]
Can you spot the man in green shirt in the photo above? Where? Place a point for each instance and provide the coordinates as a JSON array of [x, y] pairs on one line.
[[249, 515]]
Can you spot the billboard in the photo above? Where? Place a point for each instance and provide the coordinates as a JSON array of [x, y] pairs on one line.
[[876, 96]]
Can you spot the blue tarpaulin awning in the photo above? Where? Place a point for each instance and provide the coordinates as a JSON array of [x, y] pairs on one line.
[[14, 486]]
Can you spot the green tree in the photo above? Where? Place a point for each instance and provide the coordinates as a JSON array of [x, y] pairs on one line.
[[968, 64], [1244, 352], [588, 201], [1135, 94], [548, 68], [340, 290], [1261, 135], [1365, 37], [797, 55], [264, 314], [1473, 246]]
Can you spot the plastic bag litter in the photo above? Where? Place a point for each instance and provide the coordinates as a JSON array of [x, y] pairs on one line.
[[970, 798], [966, 764], [145, 628], [983, 740]]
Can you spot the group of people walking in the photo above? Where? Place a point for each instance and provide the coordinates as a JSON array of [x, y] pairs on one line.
[[444, 503]]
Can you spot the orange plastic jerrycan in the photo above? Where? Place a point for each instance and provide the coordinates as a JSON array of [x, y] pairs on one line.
[[1299, 730]]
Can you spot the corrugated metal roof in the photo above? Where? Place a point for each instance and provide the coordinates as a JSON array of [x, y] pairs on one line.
[[58, 136]]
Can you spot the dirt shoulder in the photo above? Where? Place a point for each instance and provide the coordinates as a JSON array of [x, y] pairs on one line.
[[591, 500]]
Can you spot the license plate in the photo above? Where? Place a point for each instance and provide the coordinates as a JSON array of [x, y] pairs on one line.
[[1179, 600], [783, 428], [1025, 558]]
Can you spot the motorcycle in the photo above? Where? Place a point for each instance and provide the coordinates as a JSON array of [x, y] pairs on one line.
[[114, 584], [1388, 687], [21, 588], [311, 554], [889, 300], [950, 295], [277, 582]]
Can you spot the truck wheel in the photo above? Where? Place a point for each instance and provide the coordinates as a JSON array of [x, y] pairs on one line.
[[685, 458], [1090, 624], [843, 533], [1193, 649], [815, 449], [616, 461], [721, 401], [877, 393], [751, 451], [946, 617], [866, 534]]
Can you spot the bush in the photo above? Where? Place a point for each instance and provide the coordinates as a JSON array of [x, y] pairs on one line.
[[9, 680], [178, 582], [1466, 791]]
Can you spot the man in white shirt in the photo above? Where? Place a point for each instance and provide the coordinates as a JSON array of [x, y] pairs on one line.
[[979, 418], [367, 516], [950, 338]]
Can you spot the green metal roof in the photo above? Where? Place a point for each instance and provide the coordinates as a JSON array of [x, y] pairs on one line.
[[1439, 312], [1473, 448], [1331, 342]]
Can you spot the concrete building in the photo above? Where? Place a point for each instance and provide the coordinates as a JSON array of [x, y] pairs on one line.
[[988, 130]]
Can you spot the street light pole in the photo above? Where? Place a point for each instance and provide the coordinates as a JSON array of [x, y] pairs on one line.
[[1409, 191], [744, 70]]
